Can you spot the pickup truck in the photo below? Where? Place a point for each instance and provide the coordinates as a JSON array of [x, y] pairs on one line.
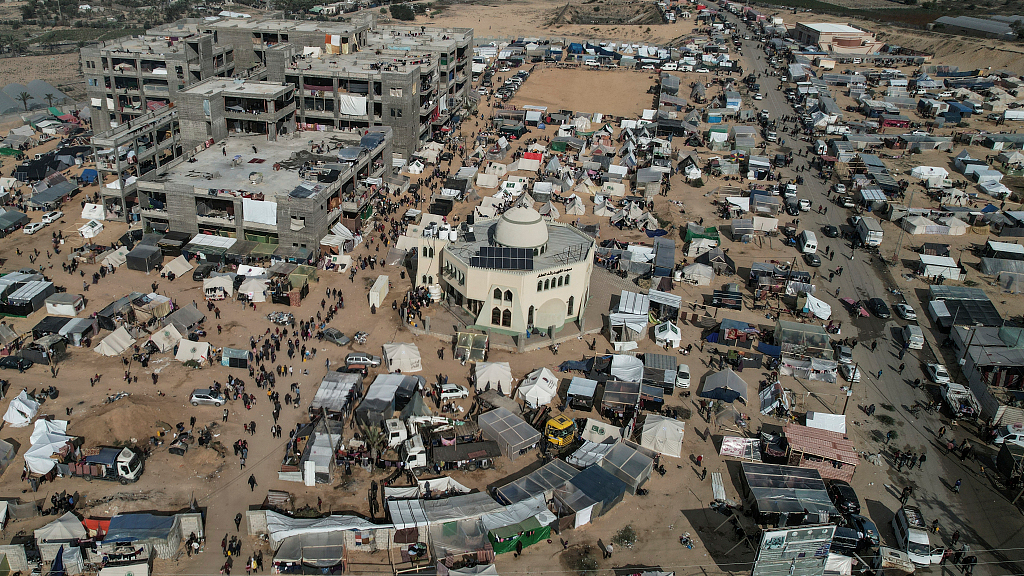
[[913, 537], [960, 400], [469, 456], [109, 463]]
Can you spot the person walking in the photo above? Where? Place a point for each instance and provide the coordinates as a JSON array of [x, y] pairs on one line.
[[608, 548], [956, 537], [879, 374], [874, 344], [238, 521], [241, 463], [700, 459], [252, 482], [900, 369], [703, 474], [905, 495], [225, 418], [319, 504], [956, 486], [942, 432]]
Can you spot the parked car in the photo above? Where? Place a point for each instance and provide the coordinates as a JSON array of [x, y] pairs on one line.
[[845, 201], [702, 70], [850, 372], [866, 530], [683, 376], [362, 359], [18, 362], [336, 336], [758, 96], [805, 205], [843, 496], [207, 397], [51, 217], [937, 373], [453, 391], [1012, 434], [202, 272], [840, 188], [905, 311], [830, 231], [878, 308], [812, 260], [33, 227]]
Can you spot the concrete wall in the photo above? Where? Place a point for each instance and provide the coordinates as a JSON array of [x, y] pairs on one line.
[[256, 522], [191, 522]]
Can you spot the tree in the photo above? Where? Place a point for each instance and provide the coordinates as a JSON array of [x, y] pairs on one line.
[[24, 97], [28, 11], [1018, 28], [49, 99], [402, 12], [375, 439]]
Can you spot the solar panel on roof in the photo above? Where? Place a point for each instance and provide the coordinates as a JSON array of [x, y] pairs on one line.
[[502, 258]]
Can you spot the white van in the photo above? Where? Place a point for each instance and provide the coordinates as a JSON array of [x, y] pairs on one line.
[[685, 68], [807, 242], [592, 63], [913, 337], [670, 66]]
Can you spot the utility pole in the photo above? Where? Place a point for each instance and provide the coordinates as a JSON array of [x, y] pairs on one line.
[[903, 231], [849, 391]]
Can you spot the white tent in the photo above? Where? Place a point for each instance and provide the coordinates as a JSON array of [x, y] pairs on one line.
[[255, 289], [485, 180], [49, 437], [839, 564], [549, 211], [21, 410], [667, 333], [924, 172], [818, 307], [93, 212], [165, 338], [116, 257], [627, 368], [91, 229], [575, 206], [603, 209], [212, 287], [957, 227], [917, 224], [189, 350], [700, 246], [663, 435], [116, 342], [698, 274], [402, 356], [497, 374], [64, 529], [539, 387], [179, 266]]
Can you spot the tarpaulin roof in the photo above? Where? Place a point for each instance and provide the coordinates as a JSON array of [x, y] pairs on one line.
[[407, 514], [280, 526], [319, 550], [498, 374], [582, 387], [131, 527], [185, 318], [539, 387], [791, 489], [402, 356], [589, 453], [663, 435], [510, 431], [21, 410], [725, 385], [466, 506], [539, 482], [178, 266], [64, 529], [628, 465], [116, 342], [336, 390]]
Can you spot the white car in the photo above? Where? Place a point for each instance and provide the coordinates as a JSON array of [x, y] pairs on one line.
[[504, 69], [481, 90], [648, 67], [683, 376], [1012, 434], [758, 96], [453, 391], [33, 227], [840, 188], [805, 205], [905, 311], [51, 217], [702, 70], [937, 373]]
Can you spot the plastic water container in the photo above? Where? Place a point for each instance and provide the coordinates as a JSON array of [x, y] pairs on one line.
[[435, 292], [453, 236], [678, 276]]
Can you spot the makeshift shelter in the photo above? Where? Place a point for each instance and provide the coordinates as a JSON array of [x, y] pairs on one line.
[[832, 454], [575, 206], [541, 482], [667, 334], [460, 538], [160, 533], [509, 430], [186, 318], [590, 494], [580, 395], [149, 306], [518, 535], [49, 438], [698, 274], [189, 351], [726, 386], [234, 357], [918, 225], [311, 553], [65, 304], [944, 266], [628, 465], [61, 531], [627, 368], [786, 495], [538, 388], [337, 394], [144, 258], [471, 346], [115, 257], [22, 410], [166, 338], [379, 291], [402, 357], [218, 287], [91, 229], [179, 266], [957, 227], [662, 435], [116, 342], [496, 375], [254, 289], [433, 488]]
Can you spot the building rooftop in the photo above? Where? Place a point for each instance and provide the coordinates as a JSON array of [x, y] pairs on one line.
[[412, 35], [279, 25], [239, 87], [566, 245], [286, 166], [979, 24], [365, 62], [155, 45], [829, 27]]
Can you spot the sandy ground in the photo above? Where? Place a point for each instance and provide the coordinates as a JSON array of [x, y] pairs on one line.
[[621, 93]]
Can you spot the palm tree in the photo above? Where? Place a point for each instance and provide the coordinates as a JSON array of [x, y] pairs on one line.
[[49, 99], [375, 439], [25, 97]]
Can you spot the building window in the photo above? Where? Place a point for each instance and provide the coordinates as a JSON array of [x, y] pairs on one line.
[[431, 251], [424, 251], [529, 317], [497, 294], [496, 316], [566, 279], [547, 284], [508, 296], [506, 318], [540, 285], [559, 280], [396, 92], [571, 301]]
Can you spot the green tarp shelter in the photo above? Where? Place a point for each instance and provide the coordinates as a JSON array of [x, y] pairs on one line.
[[559, 146], [9, 152], [711, 233], [528, 532]]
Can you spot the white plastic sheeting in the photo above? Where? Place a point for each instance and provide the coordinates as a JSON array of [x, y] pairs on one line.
[[402, 356], [64, 529], [818, 307], [93, 212], [539, 387], [350, 105], [189, 350], [497, 374], [115, 343], [259, 211], [21, 410], [442, 485], [49, 437], [280, 526], [663, 435], [627, 368]]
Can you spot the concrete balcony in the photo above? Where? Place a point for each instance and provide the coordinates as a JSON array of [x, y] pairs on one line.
[[220, 221], [153, 213], [258, 226]]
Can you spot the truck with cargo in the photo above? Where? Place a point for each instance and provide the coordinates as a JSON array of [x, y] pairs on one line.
[[869, 231], [470, 456], [960, 400], [660, 371], [913, 537], [108, 463]]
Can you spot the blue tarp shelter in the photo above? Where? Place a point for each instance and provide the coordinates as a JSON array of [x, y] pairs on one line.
[[132, 527], [88, 176]]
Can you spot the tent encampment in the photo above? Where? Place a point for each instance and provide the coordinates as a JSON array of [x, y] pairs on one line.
[[193, 351], [49, 437], [179, 266], [628, 465], [726, 386], [115, 343], [496, 375], [402, 356], [22, 410], [663, 435], [538, 388], [698, 274], [165, 338]]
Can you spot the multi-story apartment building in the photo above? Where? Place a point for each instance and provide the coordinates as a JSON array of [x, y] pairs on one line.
[[288, 193], [132, 76], [216, 108]]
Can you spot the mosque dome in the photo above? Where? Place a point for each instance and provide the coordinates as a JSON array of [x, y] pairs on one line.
[[521, 227]]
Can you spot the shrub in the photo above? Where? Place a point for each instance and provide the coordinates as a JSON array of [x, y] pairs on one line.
[[402, 12], [625, 537]]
